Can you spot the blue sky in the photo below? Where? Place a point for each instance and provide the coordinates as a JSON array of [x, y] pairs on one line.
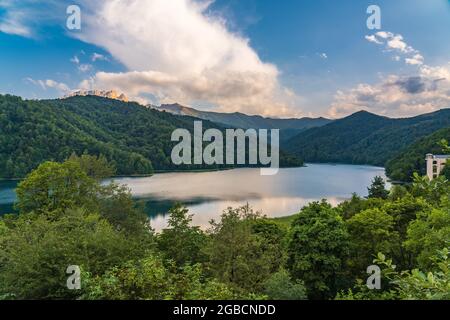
[[289, 58]]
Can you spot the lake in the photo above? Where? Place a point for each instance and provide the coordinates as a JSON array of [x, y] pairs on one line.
[[207, 194]]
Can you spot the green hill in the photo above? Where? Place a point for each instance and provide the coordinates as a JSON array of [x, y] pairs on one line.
[[365, 138], [135, 138], [412, 159]]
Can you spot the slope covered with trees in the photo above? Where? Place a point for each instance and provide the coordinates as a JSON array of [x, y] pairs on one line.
[[412, 159], [135, 138], [365, 138]]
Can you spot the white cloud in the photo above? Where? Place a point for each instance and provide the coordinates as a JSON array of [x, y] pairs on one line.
[[426, 89], [373, 38], [75, 60], [177, 52], [84, 67], [61, 87], [417, 59], [323, 55], [394, 95], [97, 56], [396, 43]]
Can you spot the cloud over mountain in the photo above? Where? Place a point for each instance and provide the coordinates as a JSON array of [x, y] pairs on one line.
[[177, 52]]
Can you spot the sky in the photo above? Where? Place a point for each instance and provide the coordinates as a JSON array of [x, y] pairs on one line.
[[290, 58]]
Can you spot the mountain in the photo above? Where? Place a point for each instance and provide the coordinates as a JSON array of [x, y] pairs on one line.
[[288, 127], [364, 138], [412, 159], [111, 94], [135, 138]]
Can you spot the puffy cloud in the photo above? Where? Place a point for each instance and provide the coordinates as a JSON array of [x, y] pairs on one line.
[[49, 83], [373, 38], [97, 56], [417, 59], [84, 67], [176, 52], [427, 89], [396, 95], [75, 60], [177, 40], [395, 42]]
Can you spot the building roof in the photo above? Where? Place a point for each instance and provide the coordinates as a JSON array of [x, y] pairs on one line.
[[442, 156]]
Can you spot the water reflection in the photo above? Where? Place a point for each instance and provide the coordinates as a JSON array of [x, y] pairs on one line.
[[207, 194]]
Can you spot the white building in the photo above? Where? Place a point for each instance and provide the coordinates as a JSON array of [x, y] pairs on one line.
[[435, 164]]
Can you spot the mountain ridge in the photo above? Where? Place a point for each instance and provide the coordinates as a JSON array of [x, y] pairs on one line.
[[364, 137]]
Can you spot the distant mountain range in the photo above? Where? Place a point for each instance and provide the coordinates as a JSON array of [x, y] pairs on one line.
[[288, 127], [137, 138], [365, 138]]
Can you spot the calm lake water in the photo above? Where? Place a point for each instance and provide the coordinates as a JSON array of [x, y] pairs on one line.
[[207, 194]]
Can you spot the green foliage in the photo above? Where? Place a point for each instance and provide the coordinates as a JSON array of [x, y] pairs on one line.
[[35, 252], [55, 187], [68, 218], [181, 242], [427, 234], [371, 231], [318, 247], [432, 191], [134, 139], [239, 254], [407, 285], [412, 159], [96, 167], [280, 286], [378, 189], [150, 279]]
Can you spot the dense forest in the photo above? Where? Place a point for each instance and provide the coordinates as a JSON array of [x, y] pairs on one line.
[[134, 138], [67, 218], [365, 138], [412, 159]]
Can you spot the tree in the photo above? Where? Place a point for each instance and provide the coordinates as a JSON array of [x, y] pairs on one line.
[[150, 279], [432, 191], [378, 189], [429, 233], [181, 242], [96, 167], [406, 285], [54, 187], [371, 231], [35, 252], [317, 249], [238, 256], [280, 286]]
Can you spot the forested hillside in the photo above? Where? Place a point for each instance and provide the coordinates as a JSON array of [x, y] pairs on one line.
[[365, 138], [412, 159], [134, 138]]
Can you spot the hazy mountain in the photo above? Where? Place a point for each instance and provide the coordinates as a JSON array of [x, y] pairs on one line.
[[289, 127], [365, 138]]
